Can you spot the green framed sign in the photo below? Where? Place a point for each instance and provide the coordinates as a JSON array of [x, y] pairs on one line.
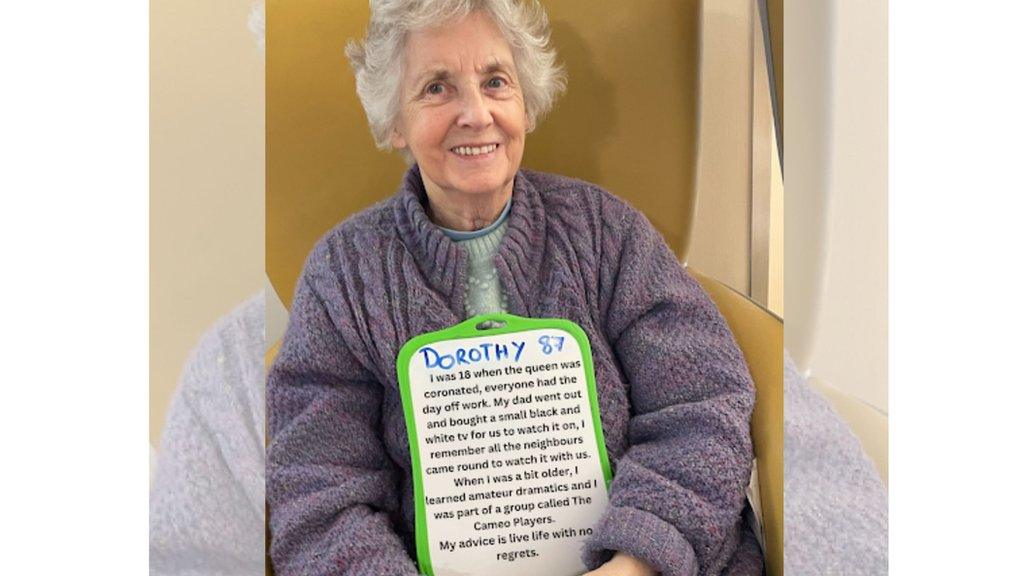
[[510, 470]]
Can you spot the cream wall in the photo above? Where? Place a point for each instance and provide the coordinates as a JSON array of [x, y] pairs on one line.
[[720, 245], [836, 209], [776, 249], [852, 350], [808, 57], [206, 178], [737, 231]]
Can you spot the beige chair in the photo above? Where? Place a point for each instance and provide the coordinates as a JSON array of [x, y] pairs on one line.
[[759, 335], [633, 80]]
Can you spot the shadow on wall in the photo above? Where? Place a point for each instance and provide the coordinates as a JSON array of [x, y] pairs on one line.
[[722, 226]]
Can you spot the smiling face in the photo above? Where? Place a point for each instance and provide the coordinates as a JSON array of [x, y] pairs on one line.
[[462, 116]]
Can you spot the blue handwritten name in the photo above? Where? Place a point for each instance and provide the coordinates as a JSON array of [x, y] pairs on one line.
[[465, 356]]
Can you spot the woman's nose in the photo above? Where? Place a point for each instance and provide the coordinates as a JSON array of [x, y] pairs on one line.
[[475, 112]]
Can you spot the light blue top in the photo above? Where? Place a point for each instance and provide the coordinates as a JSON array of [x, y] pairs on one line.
[[459, 235], [484, 293]]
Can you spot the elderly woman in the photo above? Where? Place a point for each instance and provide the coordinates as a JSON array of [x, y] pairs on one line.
[[456, 85]]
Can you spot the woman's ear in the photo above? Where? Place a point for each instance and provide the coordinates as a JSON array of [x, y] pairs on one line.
[[397, 140]]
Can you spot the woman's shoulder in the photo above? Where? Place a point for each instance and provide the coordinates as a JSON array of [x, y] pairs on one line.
[[374, 221], [566, 196], [364, 232]]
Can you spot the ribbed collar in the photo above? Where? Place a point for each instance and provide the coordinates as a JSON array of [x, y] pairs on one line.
[[444, 263], [462, 236]]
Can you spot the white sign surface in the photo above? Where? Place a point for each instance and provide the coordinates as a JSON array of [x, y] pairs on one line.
[[509, 462]]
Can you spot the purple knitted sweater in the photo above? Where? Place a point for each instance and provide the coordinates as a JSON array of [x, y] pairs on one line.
[[674, 391]]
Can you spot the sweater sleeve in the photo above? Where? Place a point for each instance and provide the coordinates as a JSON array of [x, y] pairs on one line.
[[331, 485], [678, 493]]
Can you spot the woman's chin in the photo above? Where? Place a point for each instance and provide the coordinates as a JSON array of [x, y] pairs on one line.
[[480, 182], [482, 187]]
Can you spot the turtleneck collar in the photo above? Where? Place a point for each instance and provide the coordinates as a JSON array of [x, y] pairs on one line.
[[460, 235], [444, 263]]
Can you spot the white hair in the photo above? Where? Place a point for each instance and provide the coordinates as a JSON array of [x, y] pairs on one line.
[[377, 60]]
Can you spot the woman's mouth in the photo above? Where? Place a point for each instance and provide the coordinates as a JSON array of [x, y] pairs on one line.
[[472, 151]]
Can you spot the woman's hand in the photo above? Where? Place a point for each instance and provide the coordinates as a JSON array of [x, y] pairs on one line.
[[623, 564]]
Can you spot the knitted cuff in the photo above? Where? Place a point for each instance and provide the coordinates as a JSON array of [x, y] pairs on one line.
[[642, 535]]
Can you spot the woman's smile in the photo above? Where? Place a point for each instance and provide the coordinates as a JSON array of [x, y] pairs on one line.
[[475, 152]]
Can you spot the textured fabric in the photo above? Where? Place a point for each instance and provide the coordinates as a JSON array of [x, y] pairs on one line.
[[460, 235], [484, 293], [675, 396], [836, 516], [206, 507]]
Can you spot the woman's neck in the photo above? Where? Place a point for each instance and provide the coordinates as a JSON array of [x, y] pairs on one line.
[[465, 212]]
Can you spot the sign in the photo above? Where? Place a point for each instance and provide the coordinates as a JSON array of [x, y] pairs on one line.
[[509, 464]]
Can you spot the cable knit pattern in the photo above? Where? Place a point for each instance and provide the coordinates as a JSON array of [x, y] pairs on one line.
[[674, 391]]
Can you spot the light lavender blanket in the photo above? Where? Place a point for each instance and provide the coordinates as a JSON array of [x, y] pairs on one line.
[[206, 512], [836, 507]]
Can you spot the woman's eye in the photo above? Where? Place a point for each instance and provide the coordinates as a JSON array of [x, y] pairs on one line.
[[434, 88], [496, 83]]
